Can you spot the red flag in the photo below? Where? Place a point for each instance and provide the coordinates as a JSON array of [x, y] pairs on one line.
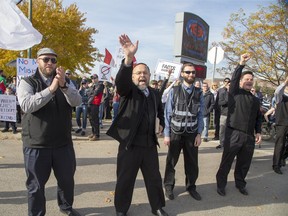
[[108, 58], [134, 61]]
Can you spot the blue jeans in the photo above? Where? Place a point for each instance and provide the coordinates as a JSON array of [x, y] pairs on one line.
[[101, 112], [115, 109], [82, 109], [206, 121]]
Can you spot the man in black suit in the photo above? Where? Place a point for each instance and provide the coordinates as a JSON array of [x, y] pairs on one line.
[[134, 128]]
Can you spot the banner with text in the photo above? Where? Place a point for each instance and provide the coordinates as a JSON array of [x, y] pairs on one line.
[[25, 67], [163, 66], [8, 108]]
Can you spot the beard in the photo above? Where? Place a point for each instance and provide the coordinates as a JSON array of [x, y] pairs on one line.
[[48, 72], [141, 86], [189, 81]]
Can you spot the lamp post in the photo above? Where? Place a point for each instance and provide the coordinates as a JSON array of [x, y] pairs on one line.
[[30, 18], [29, 51]]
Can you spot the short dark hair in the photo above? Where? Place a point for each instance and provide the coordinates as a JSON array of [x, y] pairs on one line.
[[187, 65], [246, 72], [227, 80]]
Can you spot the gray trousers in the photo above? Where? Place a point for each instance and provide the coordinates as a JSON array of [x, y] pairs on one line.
[[223, 119]]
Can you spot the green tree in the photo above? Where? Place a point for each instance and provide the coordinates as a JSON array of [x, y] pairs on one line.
[[264, 35], [64, 30]]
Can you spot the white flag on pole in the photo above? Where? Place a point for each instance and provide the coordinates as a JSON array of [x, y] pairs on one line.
[[16, 31]]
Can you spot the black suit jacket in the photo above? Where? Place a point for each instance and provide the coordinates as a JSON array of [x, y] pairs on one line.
[[131, 108]]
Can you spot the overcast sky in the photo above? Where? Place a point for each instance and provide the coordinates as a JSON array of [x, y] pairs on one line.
[[153, 22]]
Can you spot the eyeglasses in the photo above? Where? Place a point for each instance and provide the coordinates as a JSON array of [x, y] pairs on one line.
[[189, 72], [141, 72], [46, 60]]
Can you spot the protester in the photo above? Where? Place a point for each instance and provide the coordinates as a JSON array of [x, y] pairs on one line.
[[281, 114], [95, 94], [222, 100], [208, 108], [243, 121], [116, 102], [46, 99], [82, 109], [134, 128], [2, 82], [9, 91], [183, 128]]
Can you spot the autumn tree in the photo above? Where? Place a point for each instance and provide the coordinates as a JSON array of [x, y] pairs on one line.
[[64, 30], [264, 35]]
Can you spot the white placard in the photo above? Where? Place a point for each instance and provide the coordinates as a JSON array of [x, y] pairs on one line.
[[105, 73], [163, 66], [26, 66], [8, 108]]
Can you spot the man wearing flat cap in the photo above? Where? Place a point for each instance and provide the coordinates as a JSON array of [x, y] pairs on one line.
[[46, 99]]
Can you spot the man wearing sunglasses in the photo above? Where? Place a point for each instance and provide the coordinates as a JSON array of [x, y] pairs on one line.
[[46, 99], [183, 128]]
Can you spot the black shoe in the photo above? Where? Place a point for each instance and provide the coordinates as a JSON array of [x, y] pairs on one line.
[[121, 214], [216, 138], [78, 130], [221, 191], [205, 140], [14, 131], [83, 133], [169, 194], [243, 191], [70, 212], [218, 147], [5, 130], [277, 170], [195, 194], [159, 212]]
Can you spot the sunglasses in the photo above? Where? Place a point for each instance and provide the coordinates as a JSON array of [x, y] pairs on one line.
[[46, 60], [189, 72]]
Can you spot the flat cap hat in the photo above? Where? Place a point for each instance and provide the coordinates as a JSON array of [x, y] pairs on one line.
[[46, 51]]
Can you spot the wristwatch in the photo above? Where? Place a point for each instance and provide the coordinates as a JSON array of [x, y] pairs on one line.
[[65, 86]]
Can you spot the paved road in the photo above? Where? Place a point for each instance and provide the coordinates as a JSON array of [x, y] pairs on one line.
[[95, 182]]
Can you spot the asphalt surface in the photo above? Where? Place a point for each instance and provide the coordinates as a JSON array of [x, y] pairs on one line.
[[95, 182]]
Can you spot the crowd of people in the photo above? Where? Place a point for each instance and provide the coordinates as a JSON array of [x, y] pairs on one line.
[[180, 111]]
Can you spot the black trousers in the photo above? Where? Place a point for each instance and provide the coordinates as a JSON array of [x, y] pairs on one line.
[[217, 115], [128, 163], [38, 165], [279, 149], [240, 145], [190, 152], [93, 114]]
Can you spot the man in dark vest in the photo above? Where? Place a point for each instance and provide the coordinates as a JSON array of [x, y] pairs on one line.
[[46, 99], [134, 128], [243, 121], [183, 128], [281, 113]]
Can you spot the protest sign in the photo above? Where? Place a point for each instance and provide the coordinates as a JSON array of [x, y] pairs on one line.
[[8, 108], [163, 66]]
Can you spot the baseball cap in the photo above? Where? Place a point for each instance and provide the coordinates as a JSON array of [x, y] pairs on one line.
[[46, 51]]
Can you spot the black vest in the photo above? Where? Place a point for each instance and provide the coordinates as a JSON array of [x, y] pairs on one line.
[[50, 126], [186, 108], [146, 130], [281, 112]]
